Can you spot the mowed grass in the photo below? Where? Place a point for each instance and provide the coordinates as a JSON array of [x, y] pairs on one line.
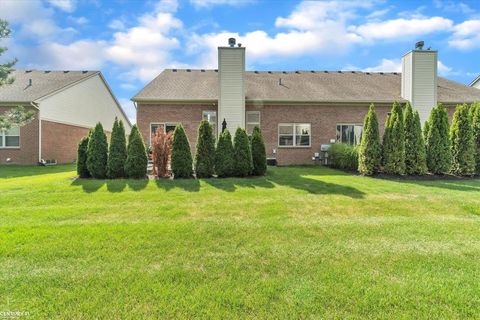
[[302, 242]]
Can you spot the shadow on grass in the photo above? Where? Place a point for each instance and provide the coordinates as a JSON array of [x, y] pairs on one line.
[[89, 185], [137, 185], [231, 184], [459, 184], [115, 186], [189, 185]]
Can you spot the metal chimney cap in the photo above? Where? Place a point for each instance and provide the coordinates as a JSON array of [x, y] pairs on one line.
[[419, 45], [231, 42]]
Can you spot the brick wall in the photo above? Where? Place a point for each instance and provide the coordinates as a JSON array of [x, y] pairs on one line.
[[28, 151], [188, 115], [60, 141], [323, 120]]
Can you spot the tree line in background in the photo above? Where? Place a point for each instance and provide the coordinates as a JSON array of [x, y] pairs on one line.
[[440, 149], [171, 154]]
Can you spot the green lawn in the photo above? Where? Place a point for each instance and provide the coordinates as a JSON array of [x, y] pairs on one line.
[[303, 242]]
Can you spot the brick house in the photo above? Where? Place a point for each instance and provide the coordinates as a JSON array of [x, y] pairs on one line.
[[297, 111], [67, 104]]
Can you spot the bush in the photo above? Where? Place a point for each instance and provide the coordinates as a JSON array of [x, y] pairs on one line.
[[394, 142], [161, 151], [242, 154], [137, 160], [97, 153], [259, 155], [82, 169], [415, 154], [426, 130], [462, 146], [343, 156], [370, 150], [181, 155], [204, 161], [439, 157], [117, 153], [476, 136], [224, 163]]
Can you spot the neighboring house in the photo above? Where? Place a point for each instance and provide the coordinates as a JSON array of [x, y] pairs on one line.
[[67, 105], [476, 83], [297, 111]]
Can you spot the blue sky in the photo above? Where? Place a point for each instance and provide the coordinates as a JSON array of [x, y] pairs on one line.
[[132, 41]]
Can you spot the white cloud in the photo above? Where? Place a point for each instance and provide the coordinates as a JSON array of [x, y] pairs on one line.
[[466, 35], [146, 48], [386, 65], [209, 3], [401, 28], [443, 70], [64, 5], [116, 24]]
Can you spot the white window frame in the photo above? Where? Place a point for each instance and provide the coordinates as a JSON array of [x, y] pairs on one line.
[[348, 124], [164, 124], [214, 125], [3, 139], [255, 124], [294, 125]]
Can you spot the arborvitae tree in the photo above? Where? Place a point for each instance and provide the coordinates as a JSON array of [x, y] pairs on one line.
[[259, 155], [415, 154], [242, 154], [117, 153], [97, 153], [370, 149], [395, 153], [386, 141], [476, 136], [82, 169], [426, 129], [205, 151], [137, 159], [439, 157], [181, 154], [224, 163], [462, 146]]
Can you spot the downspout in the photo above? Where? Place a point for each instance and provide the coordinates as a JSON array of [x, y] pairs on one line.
[[36, 106]]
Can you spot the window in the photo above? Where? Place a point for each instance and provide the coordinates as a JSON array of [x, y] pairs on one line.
[[167, 127], [294, 134], [253, 120], [349, 133], [10, 138], [211, 117]]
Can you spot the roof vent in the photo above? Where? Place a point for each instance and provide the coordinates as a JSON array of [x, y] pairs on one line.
[[382, 73], [28, 71], [269, 72], [202, 70], [297, 72], [231, 42], [239, 45], [255, 71], [216, 70], [312, 71], [66, 71], [174, 70], [367, 72], [47, 71], [325, 71], [353, 72], [188, 70], [339, 71], [284, 72], [84, 71], [395, 73]]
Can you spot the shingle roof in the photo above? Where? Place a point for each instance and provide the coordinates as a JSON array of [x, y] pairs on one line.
[[296, 86], [42, 84]]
